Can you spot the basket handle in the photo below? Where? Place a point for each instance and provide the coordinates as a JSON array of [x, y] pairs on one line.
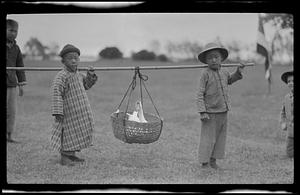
[[150, 98], [132, 86], [144, 78]]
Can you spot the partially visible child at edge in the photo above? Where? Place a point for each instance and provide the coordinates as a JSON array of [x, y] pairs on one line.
[[213, 104], [14, 78], [287, 113], [74, 123]]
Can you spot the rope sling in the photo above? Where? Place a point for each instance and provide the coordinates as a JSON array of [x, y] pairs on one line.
[[131, 131]]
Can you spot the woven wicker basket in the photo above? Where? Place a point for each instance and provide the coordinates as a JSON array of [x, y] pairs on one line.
[[134, 132]]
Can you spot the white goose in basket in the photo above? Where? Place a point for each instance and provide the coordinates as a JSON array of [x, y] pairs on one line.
[[138, 115]]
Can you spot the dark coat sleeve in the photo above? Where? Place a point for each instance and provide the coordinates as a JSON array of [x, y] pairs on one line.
[[19, 63], [201, 92]]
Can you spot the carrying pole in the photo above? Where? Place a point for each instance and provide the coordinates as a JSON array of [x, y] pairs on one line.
[[124, 68]]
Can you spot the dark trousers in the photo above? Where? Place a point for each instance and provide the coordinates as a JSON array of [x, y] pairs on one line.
[[213, 137], [290, 147]]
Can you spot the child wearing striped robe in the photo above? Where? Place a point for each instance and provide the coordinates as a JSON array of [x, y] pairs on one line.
[[73, 126]]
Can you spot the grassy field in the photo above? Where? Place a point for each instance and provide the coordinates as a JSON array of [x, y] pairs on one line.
[[255, 150]]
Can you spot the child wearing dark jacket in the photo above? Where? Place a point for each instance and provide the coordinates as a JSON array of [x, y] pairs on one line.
[[14, 78], [213, 104], [287, 113]]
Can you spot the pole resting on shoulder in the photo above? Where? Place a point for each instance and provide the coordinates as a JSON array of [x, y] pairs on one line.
[[138, 68]]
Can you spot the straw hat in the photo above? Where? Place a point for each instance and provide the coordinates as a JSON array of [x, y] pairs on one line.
[[69, 48], [212, 46], [285, 75]]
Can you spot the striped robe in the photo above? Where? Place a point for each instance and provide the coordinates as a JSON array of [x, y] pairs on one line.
[[69, 99]]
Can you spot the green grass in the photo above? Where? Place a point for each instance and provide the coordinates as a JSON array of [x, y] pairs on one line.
[[255, 148]]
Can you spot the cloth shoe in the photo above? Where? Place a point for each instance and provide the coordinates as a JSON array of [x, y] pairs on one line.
[[75, 158], [65, 161], [9, 139], [213, 163], [12, 140], [205, 165]]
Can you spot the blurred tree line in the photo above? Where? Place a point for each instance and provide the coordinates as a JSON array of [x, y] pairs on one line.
[[36, 50], [281, 43]]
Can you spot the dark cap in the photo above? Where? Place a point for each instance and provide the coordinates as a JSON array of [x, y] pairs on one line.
[[11, 23], [285, 76], [67, 49]]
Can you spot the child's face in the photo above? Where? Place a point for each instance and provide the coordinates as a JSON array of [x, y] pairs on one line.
[[11, 32], [71, 61], [290, 83], [214, 59]]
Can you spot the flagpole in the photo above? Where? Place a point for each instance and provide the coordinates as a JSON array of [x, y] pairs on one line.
[[264, 49], [270, 76]]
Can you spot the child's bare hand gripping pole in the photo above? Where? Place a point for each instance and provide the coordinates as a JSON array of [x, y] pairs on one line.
[[91, 70], [91, 77], [241, 67]]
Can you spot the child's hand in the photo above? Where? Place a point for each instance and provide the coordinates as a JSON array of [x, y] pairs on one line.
[[91, 71], [204, 116], [283, 126], [241, 67], [59, 118], [21, 91]]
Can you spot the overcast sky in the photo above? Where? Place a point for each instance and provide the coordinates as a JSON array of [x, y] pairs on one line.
[[134, 31]]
